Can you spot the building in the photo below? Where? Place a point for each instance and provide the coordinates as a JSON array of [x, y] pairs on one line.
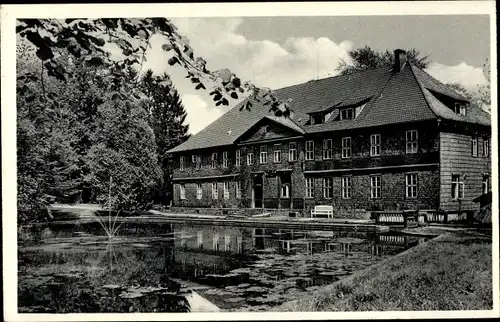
[[388, 138]]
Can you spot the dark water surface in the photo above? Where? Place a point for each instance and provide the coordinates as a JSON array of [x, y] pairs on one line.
[[151, 268]]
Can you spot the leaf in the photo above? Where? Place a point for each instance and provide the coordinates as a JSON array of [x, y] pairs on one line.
[[218, 103], [167, 47], [200, 86], [234, 95], [195, 80], [225, 102], [94, 61], [173, 60], [217, 96], [236, 82], [44, 53]]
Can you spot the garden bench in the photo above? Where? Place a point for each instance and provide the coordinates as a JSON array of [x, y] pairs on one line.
[[322, 211]]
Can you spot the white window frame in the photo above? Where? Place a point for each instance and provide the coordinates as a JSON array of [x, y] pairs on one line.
[[328, 187], [198, 162], [225, 160], [292, 152], [460, 108], [411, 185], [238, 190], [474, 146], [182, 191], [226, 189], [227, 242], [309, 187], [238, 158], [199, 239], [486, 183], [215, 191], [457, 187], [239, 244], [346, 191], [199, 191], [344, 113], [375, 145], [213, 161], [263, 154], [346, 147], [249, 158], [327, 149], [194, 158], [215, 242], [277, 156], [411, 141], [375, 186], [182, 163], [309, 150], [285, 190], [486, 147]]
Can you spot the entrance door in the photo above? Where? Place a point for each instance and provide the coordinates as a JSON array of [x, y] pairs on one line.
[[257, 192]]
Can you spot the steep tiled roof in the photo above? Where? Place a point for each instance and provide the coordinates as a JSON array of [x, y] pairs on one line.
[[392, 98]]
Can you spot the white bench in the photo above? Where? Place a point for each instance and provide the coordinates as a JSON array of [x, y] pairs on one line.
[[322, 211]]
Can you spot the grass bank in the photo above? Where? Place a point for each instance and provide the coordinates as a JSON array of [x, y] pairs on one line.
[[450, 272]]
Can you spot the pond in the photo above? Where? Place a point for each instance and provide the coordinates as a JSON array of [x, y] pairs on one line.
[[180, 267]]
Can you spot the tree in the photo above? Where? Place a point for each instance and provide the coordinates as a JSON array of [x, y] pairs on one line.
[[85, 38], [164, 106], [366, 58], [124, 151]]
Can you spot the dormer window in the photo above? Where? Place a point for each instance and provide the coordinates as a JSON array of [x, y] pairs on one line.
[[460, 108], [347, 114], [317, 118]]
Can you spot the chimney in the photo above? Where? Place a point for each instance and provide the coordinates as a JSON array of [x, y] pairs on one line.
[[399, 60]]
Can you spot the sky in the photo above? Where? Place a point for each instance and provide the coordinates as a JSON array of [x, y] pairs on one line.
[[281, 51]]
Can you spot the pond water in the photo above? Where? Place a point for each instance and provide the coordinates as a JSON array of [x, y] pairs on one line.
[[155, 267]]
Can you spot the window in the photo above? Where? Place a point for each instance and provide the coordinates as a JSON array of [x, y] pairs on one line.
[[347, 114], [346, 187], [327, 188], [226, 190], [239, 244], [263, 154], [238, 158], [376, 186], [474, 146], [198, 162], [457, 187], [346, 147], [199, 191], [309, 187], [238, 189], [375, 145], [249, 158], [277, 156], [182, 191], [214, 160], [215, 242], [227, 242], [460, 108], [486, 147], [309, 150], [182, 165], [285, 186], [215, 191], [199, 239], [225, 160], [327, 149], [292, 151], [486, 184], [194, 158], [411, 141], [411, 185]]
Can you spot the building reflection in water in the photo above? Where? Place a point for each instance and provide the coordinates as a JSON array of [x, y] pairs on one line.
[[195, 251]]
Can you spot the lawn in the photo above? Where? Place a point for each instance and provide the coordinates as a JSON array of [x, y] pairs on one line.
[[451, 272]]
